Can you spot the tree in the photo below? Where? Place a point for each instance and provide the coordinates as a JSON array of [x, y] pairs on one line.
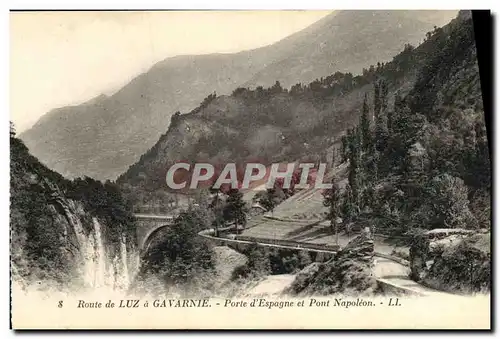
[[406, 129], [331, 199], [344, 148], [376, 101], [266, 199], [449, 204], [364, 124], [258, 260], [481, 158], [381, 126], [372, 166], [276, 88], [347, 208], [355, 175], [258, 263], [216, 200], [180, 254], [333, 156], [390, 113], [235, 209], [368, 197], [383, 96], [216, 205], [175, 118], [12, 130], [273, 197], [201, 197], [295, 179]]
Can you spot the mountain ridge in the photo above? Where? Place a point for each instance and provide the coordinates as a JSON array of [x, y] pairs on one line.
[[103, 136], [277, 125]]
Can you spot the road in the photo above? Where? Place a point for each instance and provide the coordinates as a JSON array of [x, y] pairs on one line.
[[393, 271], [153, 216]]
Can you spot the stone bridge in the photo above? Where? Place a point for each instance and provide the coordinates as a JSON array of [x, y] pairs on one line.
[[148, 225]]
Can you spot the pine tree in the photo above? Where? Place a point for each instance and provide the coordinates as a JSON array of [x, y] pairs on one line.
[[381, 129], [348, 208], [350, 141], [332, 200], [369, 196], [390, 119], [355, 175], [384, 93], [217, 208], [376, 101], [399, 132], [364, 124], [333, 156], [482, 163], [398, 107]]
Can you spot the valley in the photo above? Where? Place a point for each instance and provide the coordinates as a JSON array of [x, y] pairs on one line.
[[399, 123], [104, 136]]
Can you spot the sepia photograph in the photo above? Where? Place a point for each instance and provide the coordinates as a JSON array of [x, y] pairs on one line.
[[272, 169]]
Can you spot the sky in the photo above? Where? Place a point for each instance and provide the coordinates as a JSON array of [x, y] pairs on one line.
[[66, 58]]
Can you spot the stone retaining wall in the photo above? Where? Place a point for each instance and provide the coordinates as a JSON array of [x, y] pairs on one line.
[[319, 255], [393, 289]]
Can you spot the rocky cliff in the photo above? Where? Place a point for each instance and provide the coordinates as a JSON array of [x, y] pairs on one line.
[[348, 273], [59, 239], [452, 260]]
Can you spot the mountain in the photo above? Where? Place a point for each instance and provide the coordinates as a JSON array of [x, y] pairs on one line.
[[347, 42], [274, 124], [104, 136]]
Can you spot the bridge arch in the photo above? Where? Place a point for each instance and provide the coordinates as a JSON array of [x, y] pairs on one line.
[[149, 224], [150, 237]]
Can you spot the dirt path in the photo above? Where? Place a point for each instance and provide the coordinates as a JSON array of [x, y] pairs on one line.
[[271, 285]]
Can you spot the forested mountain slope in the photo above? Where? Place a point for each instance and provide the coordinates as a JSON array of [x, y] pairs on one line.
[[421, 171], [104, 136], [276, 124], [424, 162]]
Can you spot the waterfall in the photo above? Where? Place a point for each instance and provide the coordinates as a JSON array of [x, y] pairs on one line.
[[97, 268], [121, 266], [123, 253], [99, 257], [86, 244]]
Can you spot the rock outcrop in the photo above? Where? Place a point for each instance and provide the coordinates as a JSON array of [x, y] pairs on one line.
[[348, 273], [452, 260], [59, 238]]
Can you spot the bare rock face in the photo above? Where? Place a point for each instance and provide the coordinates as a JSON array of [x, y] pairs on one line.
[[452, 260], [58, 240], [349, 273]]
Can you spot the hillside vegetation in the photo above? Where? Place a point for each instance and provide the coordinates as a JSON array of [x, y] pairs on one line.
[[53, 222], [424, 163], [275, 124], [104, 136], [417, 159]]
